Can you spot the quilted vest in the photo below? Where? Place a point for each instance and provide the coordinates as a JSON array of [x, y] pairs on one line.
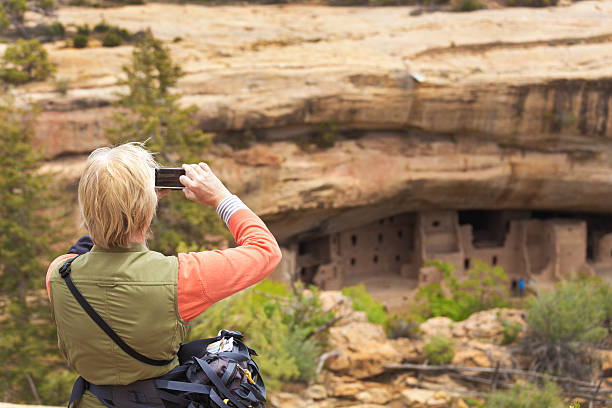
[[135, 292]]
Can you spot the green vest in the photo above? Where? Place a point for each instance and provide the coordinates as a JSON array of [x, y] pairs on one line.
[[135, 292]]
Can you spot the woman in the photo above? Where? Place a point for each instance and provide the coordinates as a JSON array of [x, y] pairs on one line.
[[146, 297]]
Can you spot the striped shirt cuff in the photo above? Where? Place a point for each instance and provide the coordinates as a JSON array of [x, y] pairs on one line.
[[228, 206]]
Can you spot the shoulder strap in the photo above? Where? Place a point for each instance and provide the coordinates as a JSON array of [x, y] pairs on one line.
[[65, 274]]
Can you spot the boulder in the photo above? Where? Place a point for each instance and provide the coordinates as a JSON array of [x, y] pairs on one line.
[[473, 353], [437, 326], [286, 400], [342, 306], [344, 387], [418, 398], [375, 395], [316, 392], [485, 326], [364, 350], [410, 349]]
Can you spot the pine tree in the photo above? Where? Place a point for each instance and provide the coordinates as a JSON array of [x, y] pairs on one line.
[[31, 366], [149, 112]]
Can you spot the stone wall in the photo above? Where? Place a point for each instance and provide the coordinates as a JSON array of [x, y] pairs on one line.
[[395, 249]]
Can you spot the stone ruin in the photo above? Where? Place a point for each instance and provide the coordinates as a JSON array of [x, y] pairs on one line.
[[388, 255]]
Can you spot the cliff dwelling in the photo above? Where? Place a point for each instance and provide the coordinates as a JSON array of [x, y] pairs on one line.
[[388, 255]]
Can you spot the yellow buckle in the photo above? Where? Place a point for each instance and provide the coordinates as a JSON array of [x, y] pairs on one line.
[[248, 375]]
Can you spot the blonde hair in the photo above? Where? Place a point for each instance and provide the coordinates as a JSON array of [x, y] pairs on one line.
[[117, 198]]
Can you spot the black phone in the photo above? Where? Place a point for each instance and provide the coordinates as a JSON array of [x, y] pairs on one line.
[[168, 177]]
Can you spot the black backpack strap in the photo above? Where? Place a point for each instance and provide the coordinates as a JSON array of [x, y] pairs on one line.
[[65, 274], [79, 387], [195, 348], [214, 378]]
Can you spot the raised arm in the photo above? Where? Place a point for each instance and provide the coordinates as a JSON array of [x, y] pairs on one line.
[[209, 276]]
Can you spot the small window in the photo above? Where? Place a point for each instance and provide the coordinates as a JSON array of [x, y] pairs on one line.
[[400, 233], [466, 263], [302, 248], [397, 258], [390, 219], [494, 260], [375, 259], [435, 223], [380, 238], [381, 222], [354, 240], [352, 261]]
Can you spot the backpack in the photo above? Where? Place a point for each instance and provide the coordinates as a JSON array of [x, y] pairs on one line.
[[217, 372]]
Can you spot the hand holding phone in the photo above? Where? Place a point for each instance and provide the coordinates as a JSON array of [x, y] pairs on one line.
[[202, 186]]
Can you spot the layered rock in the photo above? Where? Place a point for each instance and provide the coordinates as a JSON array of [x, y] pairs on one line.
[[514, 112]]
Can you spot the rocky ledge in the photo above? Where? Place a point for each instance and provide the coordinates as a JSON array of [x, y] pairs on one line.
[[355, 374]]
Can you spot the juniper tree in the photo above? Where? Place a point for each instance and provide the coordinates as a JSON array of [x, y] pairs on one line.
[[12, 12], [31, 366], [24, 61], [149, 112]]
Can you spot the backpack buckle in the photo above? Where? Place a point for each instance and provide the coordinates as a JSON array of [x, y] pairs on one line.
[[65, 270], [231, 333]]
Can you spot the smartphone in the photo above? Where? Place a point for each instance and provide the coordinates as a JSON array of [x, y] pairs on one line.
[[168, 177]]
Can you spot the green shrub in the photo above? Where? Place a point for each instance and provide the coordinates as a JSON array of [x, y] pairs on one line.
[[510, 331], [403, 324], [528, 395], [473, 402], [563, 325], [62, 85], [83, 29], [603, 291], [80, 41], [102, 27], [484, 288], [55, 30], [111, 39], [280, 325], [470, 5], [439, 350], [46, 5], [326, 135], [26, 61], [363, 301], [124, 34], [13, 76]]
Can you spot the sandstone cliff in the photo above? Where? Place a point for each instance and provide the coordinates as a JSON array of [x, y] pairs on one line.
[[514, 113]]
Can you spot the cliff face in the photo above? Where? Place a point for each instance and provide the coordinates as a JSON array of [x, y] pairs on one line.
[[514, 113]]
